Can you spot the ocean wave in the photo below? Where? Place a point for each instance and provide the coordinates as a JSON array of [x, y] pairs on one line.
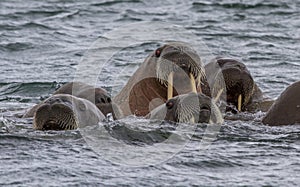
[[242, 5]]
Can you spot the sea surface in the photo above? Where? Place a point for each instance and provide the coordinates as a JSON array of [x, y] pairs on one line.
[[44, 44]]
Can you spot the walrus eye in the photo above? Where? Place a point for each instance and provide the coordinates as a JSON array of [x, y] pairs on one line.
[[221, 62], [170, 104], [158, 52]]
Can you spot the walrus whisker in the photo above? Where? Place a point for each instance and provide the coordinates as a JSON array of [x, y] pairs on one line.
[[68, 122], [170, 85], [185, 110], [62, 125]]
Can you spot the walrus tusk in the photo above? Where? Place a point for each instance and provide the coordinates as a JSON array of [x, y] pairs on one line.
[[218, 95], [240, 102], [170, 85], [193, 83], [192, 120]]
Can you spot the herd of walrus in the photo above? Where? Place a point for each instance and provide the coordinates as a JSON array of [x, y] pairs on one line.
[[171, 84]]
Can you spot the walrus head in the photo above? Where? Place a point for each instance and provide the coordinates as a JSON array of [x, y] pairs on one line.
[[170, 70], [102, 100], [286, 109], [98, 96], [239, 84], [179, 66], [56, 113], [188, 108]]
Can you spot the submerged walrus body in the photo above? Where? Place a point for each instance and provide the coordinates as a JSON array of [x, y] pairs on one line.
[[98, 96], [189, 108], [286, 109], [170, 70], [235, 81], [66, 112]]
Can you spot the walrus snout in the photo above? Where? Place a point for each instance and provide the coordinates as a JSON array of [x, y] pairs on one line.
[[188, 108], [239, 86], [204, 114], [198, 108], [238, 82], [55, 114]]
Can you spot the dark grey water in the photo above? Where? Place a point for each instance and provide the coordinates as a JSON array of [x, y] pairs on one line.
[[42, 42]]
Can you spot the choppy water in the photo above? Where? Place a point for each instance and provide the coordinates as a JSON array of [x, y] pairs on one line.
[[42, 42]]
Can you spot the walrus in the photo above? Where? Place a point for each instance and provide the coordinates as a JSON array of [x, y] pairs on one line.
[[66, 112], [239, 88], [98, 96], [188, 108], [286, 109], [170, 70]]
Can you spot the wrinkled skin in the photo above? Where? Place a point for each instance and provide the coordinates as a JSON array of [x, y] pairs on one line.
[[188, 108], [235, 79], [65, 112], [286, 109], [148, 86]]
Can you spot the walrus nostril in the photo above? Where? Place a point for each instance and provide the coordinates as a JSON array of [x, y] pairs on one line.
[[170, 104], [109, 100], [204, 115], [102, 100]]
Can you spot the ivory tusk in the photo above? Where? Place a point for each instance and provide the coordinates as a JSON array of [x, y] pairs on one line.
[[193, 83], [240, 102], [192, 120], [170, 85], [218, 95]]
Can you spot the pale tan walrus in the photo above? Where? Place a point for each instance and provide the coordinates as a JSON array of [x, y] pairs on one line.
[[66, 112], [98, 96], [188, 108]]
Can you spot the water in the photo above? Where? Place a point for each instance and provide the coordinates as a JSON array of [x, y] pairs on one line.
[[42, 43]]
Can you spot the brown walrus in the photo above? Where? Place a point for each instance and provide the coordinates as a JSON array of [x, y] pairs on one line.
[[65, 112], [98, 96], [191, 107], [170, 70], [239, 89], [286, 109]]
